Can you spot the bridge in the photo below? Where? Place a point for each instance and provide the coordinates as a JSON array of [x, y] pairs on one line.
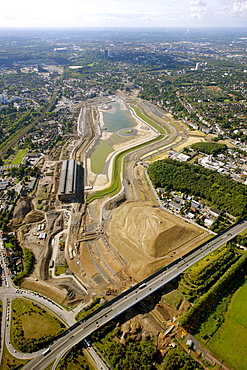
[[129, 298]]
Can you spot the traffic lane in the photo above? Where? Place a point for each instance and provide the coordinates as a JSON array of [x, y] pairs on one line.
[[110, 314], [97, 360], [137, 295]]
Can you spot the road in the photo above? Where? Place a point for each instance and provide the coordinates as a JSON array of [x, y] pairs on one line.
[[8, 292], [126, 299], [129, 298]]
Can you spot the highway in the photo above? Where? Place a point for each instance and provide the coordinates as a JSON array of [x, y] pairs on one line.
[[129, 298]]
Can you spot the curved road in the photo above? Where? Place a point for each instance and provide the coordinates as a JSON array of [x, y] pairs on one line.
[[129, 298], [125, 300]]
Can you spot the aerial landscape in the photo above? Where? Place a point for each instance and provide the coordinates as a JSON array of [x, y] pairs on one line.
[[123, 189]]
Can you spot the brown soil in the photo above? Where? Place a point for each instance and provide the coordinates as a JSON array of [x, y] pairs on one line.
[[22, 208], [34, 216], [23, 217], [147, 236], [63, 291], [57, 294], [14, 224]]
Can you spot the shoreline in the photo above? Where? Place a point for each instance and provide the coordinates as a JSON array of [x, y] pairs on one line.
[[143, 133]]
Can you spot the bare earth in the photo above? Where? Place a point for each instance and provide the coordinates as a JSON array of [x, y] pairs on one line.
[[150, 238], [140, 238]]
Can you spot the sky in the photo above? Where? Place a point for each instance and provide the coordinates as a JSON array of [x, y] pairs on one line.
[[123, 13]]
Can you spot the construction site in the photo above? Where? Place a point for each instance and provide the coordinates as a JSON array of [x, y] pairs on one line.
[[106, 246]]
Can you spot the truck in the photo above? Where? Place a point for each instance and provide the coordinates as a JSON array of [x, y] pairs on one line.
[[142, 286], [47, 350]]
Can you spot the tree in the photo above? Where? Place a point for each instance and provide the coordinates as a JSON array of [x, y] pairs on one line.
[[178, 360]]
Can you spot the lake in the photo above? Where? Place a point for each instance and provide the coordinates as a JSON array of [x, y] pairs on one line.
[[119, 118]]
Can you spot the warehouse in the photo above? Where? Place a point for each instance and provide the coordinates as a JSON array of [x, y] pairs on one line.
[[68, 180]]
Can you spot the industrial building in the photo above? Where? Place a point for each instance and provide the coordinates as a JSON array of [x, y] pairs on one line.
[[68, 180]]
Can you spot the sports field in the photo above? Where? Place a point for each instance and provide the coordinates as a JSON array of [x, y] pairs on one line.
[[229, 342]]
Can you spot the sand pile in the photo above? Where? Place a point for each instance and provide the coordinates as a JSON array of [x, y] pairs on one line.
[[147, 236]]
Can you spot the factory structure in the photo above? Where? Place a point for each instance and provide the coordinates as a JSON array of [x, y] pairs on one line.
[[67, 189]]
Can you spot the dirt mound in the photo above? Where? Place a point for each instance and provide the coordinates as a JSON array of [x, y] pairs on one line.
[[23, 213], [34, 216], [22, 208], [14, 224], [173, 237], [147, 236]]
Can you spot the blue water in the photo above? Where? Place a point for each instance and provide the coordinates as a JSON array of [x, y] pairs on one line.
[[119, 119]]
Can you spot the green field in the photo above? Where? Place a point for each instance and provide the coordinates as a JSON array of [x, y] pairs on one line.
[[60, 270], [75, 360], [19, 156], [16, 157], [157, 127], [27, 335], [229, 342], [174, 298], [10, 362], [93, 306]]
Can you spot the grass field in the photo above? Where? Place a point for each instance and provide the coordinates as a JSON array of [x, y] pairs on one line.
[[8, 361], [173, 298], [215, 92], [229, 342], [42, 195], [75, 360], [19, 156], [26, 332], [157, 127], [60, 270]]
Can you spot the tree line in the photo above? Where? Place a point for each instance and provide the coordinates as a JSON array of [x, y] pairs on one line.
[[220, 191], [209, 148]]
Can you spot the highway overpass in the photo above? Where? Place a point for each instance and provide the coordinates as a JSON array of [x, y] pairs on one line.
[[129, 298]]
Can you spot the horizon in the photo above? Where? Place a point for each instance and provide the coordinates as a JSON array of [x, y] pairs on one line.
[[124, 14], [108, 28]]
